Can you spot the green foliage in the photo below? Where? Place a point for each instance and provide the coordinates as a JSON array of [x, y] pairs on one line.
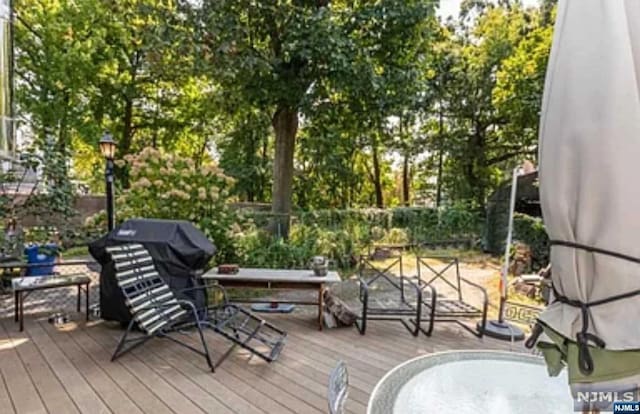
[[396, 236], [343, 235], [168, 186], [365, 226], [257, 248], [531, 231], [487, 73], [245, 155], [394, 107], [37, 187], [87, 66]]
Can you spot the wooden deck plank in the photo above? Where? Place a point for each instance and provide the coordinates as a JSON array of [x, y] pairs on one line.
[[184, 384], [52, 392], [319, 372], [211, 383], [24, 395], [310, 389], [110, 392], [160, 386], [349, 342], [74, 383], [5, 399], [287, 392], [248, 391], [137, 391], [161, 377], [260, 382]]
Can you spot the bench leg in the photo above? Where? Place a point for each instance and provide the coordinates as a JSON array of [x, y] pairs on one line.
[[86, 297], [21, 301], [79, 297], [320, 305], [16, 305]]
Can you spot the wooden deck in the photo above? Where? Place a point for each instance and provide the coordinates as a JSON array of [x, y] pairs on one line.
[[68, 369]]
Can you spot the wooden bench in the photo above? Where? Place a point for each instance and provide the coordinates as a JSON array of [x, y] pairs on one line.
[[23, 286], [276, 279]]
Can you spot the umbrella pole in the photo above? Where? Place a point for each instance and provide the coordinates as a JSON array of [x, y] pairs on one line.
[[500, 329]]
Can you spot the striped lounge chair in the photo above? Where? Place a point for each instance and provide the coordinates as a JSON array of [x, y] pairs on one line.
[[158, 312]]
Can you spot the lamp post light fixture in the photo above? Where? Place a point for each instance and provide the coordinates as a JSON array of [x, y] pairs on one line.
[[108, 150]]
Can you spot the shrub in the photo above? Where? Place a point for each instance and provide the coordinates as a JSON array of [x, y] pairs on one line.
[[168, 186], [255, 247], [531, 231], [396, 236]]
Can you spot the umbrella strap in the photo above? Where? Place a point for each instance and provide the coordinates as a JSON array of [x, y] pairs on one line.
[[583, 337], [594, 250], [585, 362]]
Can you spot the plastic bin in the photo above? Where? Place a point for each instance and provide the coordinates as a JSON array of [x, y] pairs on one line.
[[35, 257]]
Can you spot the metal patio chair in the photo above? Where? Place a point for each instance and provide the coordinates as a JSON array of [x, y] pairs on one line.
[[338, 388], [452, 309], [158, 312], [401, 308]]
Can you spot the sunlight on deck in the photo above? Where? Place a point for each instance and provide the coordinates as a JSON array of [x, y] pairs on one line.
[[12, 343]]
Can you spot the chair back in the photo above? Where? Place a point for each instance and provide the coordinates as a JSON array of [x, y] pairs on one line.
[[338, 388], [148, 297], [371, 272]]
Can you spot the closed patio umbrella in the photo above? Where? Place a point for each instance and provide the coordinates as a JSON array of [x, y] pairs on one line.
[[590, 193]]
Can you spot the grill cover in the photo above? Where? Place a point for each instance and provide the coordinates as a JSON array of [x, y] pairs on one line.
[[179, 250]]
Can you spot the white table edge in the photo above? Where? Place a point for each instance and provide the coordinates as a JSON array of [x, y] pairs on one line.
[[393, 370]]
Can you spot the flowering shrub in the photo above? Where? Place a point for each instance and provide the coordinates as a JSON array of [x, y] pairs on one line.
[[168, 186]]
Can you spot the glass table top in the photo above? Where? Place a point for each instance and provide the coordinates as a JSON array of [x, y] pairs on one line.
[[470, 382]]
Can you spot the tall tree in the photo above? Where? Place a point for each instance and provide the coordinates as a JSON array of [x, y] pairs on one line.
[[479, 145], [280, 54], [84, 66]]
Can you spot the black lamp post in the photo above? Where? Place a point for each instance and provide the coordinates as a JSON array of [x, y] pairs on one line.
[[108, 150]]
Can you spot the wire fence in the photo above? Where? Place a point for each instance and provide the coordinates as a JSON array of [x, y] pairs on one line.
[[49, 301], [422, 225]]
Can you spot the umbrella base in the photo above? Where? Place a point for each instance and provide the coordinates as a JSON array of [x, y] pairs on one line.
[[502, 330], [270, 308]]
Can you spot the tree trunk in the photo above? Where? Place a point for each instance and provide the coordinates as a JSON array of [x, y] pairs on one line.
[[262, 189], [474, 165], [406, 187], [440, 157], [285, 124], [376, 175], [124, 146]]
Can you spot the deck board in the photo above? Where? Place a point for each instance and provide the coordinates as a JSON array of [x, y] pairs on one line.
[[24, 395], [52, 392], [109, 391], [5, 400], [136, 390], [85, 398], [68, 369], [226, 373], [162, 386]]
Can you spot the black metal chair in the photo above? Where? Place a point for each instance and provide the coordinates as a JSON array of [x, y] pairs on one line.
[[448, 309], [157, 312], [400, 309]]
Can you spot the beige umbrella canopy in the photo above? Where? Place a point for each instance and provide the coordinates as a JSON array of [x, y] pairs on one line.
[[590, 190]]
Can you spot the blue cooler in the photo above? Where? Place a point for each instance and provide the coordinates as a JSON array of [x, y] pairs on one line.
[[34, 257]]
